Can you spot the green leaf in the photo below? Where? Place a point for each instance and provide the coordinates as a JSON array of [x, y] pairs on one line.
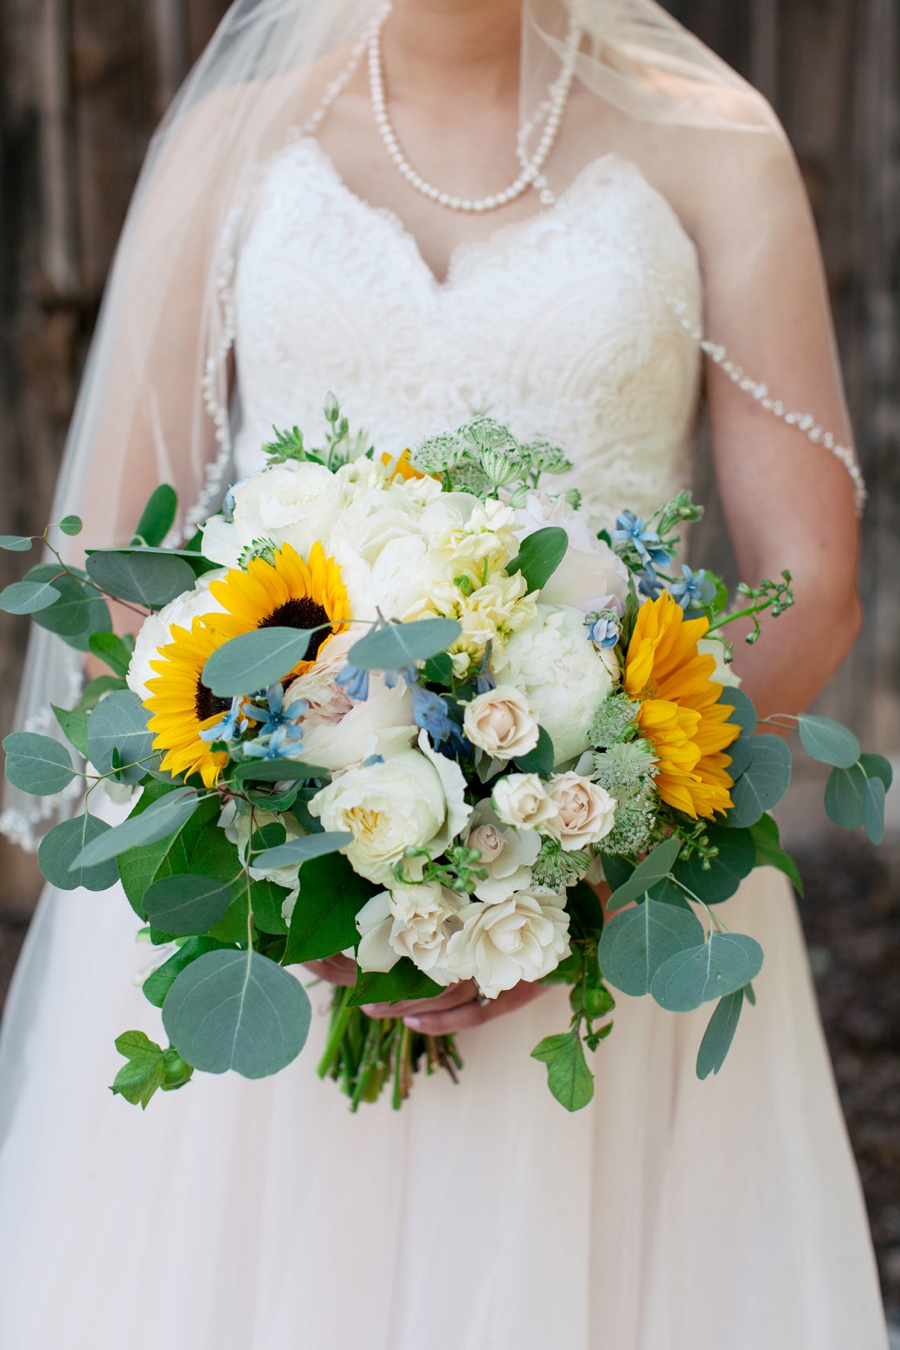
[[845, 797], [63, 844], [97, 619], [255, 660], [654, 868], [237, 1010], [568, 1076], [634, 945], [710, 970], [616, 869], [160, 819], [876, 766], [404, 982], [541, 759], [402, 644], [439, 669], [740, 752], [585, 909], [28, 597], [266, 900], [199, 846], [277, 771], [119, 723], [157, 517], [769, 852], [302, 850], [16, 543], [539, 556], [186, 905], [71, 613], [744, 712], [157, 985], [233, 927], [873, 810], [144, 1073], [719, 1034], [140, 576], [324, 918], [828, 741], [74, 722], [37, 764], [103, 684], [112, 650], [763, 783], [71, 525], [735, 860]]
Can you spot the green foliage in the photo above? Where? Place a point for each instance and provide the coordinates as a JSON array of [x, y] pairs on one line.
[[402, 644], [149, 1068], [97, 689], [876, 766], [324, 917], [636, 944], [62, 845], [266, 900], [186, 905], [539, 556], [16, 543], [769, 852], [719, 1034], [845, 797], [161, 819], [716, 877], [276, 771], [568, 1076], [710, 970], [828, 741], [654, 868], [160, 981], [303, 850], [28, 597], [763, 783], [744, 714], [255, 660], [140, 576], [404, 982], [113, 650], [37, 764], [119, 724], [237, 1010], [873, 810], [541, 759], [287, 445], [199, 845], [157, 517], [439, 670], [76, 611], [74, 723]]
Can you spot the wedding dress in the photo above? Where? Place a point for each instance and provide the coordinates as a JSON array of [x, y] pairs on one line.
[[669, 1214]]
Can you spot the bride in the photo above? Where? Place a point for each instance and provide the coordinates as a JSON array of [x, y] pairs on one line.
[[448, 206]]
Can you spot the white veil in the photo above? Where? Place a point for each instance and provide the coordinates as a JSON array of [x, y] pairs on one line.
[[152, 406]]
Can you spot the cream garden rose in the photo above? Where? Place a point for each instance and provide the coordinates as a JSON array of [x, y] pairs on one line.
[[501, 723], [522, 938], [585, 811], [415, 921], [521, 800], [507, 854]]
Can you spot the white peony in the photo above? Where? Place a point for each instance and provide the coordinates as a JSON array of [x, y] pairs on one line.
[[293, 503], [586, 811], [414, 800], [156, 630], [724, 672], [590, 574], [507, 854], [500, 722], [521, 800], [560, 672], [415, 921], [522, 938]]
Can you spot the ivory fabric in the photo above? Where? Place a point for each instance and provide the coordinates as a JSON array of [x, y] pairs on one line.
[[669, 1214]]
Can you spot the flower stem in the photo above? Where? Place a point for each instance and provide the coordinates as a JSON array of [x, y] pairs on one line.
[[341, 1013]]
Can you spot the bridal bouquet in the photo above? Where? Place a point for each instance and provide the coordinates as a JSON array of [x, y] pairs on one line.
[[407, 710]]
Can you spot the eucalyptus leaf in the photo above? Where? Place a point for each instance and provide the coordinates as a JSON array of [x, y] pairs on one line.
[[828, 741], [37, 764], [237, 1010], [568, 1076], [71, 525], [744, 714], [402, 644], [876, 766], [97, 689], [404, 982], [161, 819], [301, 850], [634, 945], [111, 649], [60, 847], [654, 868], [255, 660], [140, 576], [119, 723], [16, 543], [762, 784], [740, 753], [845, 797], [186, 906], [28, 597], [735, 860], [158, 983], [710, 970], [873, 810], [74, 723], [719, 1034], [539, 556], [158, 516], [97, 619], [769, 852], [277, 771], [70, 614], [324, 917]]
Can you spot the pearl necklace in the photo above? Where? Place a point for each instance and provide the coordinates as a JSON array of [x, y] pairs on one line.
[[531, 175]]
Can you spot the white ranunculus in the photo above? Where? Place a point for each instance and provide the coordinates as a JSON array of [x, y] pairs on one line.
[[521, 800], [590, 573], [500, 722], [558, 669], [415, 921], [156, 630], [724, 673], [414, 800], [507, 854], [586, 811], [522, 938], [293, 503]]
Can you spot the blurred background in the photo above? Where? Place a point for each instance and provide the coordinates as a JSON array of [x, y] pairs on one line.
[[82, 85]]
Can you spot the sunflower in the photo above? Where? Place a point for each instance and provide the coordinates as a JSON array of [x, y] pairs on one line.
[[286, 593], [680, 709], [182, 704]]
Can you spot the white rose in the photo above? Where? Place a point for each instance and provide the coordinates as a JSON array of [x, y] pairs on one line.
[[156, 630], [724, 672], [500, 723], [414, 800], [587, 812], [293, 503], [415, 921], [507, 854], [560, 672], [590, 573], [521, 800], [221, 542], [523, 938]]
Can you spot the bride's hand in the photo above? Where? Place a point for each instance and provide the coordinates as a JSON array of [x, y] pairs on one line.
[[335, 969], [455, 1010]]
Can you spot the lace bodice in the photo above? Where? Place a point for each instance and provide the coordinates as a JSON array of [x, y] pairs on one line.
[[552, 324]]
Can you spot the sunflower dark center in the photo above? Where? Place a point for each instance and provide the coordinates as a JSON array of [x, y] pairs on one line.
[[301, 613], [208, 704]]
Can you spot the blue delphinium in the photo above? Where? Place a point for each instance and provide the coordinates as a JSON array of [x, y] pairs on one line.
[[649, 584], [430, 713]]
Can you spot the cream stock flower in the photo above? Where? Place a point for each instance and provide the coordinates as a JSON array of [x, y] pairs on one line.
[[521, 800], [507, 854], [408, 920], [500, 722], [586, 811], [522, 938]]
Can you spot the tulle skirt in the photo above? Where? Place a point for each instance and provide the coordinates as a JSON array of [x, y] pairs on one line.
[[668, 1215]]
